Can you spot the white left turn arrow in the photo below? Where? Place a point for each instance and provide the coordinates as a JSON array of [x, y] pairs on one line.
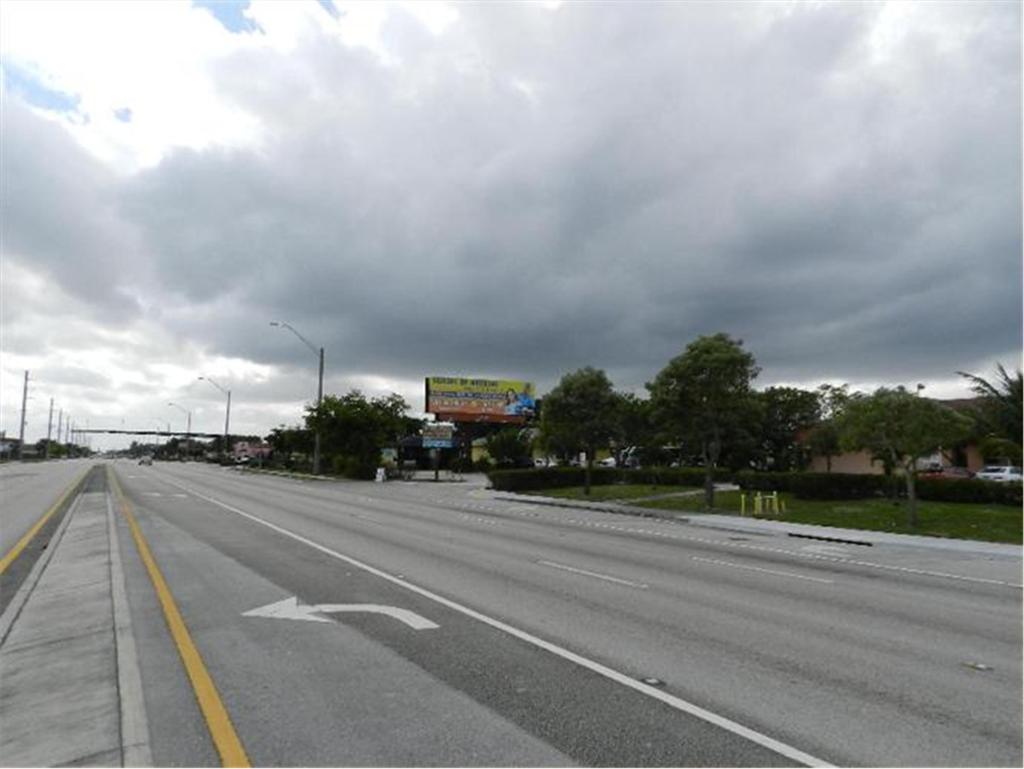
[[290, 608]]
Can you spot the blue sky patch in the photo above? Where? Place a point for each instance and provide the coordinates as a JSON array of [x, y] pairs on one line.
[[330, 7], [230, 13], [124, 114], [30, 88]]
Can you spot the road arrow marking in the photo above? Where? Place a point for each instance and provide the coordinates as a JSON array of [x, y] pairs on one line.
[[290, 608]]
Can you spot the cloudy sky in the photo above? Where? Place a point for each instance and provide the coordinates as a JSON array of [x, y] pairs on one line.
[[509, 190]]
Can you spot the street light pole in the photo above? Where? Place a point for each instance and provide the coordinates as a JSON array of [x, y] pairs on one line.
[[227, 414], [188, 425], [319, 352]]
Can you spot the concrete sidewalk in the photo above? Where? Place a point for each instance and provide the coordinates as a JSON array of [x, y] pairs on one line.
[[70, 692], [765, 526]]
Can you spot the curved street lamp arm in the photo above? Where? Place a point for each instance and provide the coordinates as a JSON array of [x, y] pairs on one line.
[[284, 324]]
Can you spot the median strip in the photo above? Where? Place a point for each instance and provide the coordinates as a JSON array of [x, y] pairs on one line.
[[218, 721]]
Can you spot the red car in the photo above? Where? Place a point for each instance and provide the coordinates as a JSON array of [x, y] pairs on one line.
[[948, 473]]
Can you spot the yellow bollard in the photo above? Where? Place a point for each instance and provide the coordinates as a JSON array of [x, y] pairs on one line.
[[743, 504], [757, 503], [775, 502]]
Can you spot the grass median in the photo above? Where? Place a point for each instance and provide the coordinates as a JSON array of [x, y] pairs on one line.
[[953, 520]]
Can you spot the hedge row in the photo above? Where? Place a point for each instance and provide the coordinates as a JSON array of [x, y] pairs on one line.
[[832, 486], [562, 477]]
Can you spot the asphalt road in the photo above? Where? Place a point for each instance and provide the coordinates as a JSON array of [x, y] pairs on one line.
[[27, 490], [544, 636]]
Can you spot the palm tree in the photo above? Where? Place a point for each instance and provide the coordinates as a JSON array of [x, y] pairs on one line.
[[1000, 414]]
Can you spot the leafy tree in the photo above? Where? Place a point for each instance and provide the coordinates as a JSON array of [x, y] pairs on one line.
[[289, 440], [900, 427], [582, 413], [510, 446], [636, 421], [353, 429], [1000, 415], [823, 438], [786, 412], [704, 397]]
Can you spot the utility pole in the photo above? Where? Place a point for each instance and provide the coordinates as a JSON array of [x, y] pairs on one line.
[[49, 430], [60, 420], [21, 432], [319, 400]]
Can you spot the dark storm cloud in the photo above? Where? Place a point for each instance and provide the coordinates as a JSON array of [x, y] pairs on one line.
[[534, 191], [59, 213]]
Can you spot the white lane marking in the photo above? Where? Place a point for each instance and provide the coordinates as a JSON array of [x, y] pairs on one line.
[[672, 701], [593, 574], [825, 550], [758, 568], [290, 608], [152, 493]]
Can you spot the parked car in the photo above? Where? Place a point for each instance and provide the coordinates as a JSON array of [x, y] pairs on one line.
[[146, 460], [948, 473], [607, 462], [1000, 474]]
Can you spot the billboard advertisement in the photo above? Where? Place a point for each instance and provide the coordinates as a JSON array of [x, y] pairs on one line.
[[463, 399], [438, 435]]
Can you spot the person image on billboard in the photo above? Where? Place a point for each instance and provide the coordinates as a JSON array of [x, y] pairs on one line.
[[518, 404]]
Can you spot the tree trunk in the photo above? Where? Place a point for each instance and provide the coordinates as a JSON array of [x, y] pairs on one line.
[[912, 495], [586, 474], [709, 479], [828, 463]]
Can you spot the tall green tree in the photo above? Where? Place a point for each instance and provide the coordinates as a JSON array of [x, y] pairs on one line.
[[823, 438], [704, 397], [636, 421], [786, 413], [354, 428], [900, 427], [582, 413], [1000, 414]]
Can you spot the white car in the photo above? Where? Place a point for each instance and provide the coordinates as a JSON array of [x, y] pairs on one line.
[[1000, 474], [607, 462]]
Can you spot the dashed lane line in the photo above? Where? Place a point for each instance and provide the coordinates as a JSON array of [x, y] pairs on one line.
[[594, 574], [759, 569]]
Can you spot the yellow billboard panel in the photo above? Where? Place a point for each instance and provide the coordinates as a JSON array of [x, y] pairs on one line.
[[480, 400]]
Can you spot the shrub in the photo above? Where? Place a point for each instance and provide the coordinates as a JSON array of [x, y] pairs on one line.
[[562, 477], [354, 467]]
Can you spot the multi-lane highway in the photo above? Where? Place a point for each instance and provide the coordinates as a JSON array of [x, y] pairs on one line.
[[425, 624]]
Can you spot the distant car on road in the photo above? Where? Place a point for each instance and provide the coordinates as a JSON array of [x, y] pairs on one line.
[[1000, 474], [147, 460]]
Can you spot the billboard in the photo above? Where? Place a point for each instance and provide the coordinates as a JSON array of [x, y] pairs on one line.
[[462, 399], [437, 435]]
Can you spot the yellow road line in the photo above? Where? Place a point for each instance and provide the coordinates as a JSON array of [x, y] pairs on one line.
[[217, 719], [23, 542]]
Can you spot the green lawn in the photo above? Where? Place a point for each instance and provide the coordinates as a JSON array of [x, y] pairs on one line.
[[991, 523]]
